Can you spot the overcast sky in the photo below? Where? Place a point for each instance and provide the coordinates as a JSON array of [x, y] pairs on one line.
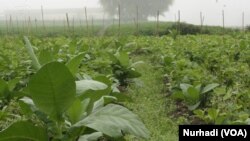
[[212, 11], [190, 9], [33, 4]]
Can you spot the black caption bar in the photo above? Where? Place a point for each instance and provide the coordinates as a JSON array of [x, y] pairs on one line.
[[214, 132]]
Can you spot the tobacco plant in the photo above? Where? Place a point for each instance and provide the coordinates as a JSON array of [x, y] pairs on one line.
[[68, 110], [194, 96], [123, 70]]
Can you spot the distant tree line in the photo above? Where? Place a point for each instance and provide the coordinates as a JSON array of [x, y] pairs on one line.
[[133, 8], [248, 28]]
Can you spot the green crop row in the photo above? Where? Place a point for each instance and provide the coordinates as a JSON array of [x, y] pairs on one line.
[[58, 100], [63, 88]]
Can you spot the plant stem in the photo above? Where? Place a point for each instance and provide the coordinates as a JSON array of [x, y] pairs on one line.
[[59, 130]]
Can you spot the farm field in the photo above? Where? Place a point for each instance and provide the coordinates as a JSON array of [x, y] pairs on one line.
[[143, 87]]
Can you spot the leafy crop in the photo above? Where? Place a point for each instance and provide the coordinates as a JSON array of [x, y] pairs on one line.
[[52, 92], [66, 109], [194, 96], [207, 76], [65, 88], [122, 69]]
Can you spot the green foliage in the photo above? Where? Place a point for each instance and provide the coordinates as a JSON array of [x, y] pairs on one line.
[[194, 96], [53, 89], [85, 85], [211, 116], [122, 69], [7, 92], [118, 121], [74, 63], [53, 99], [91, 137], [173, 33], [194, 61], [32, 55], [186, 28], [190, 29], [248, 28], [191, 68], [45, 56], [23, 131]]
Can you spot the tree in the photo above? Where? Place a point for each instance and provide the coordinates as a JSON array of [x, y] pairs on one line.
[[146, 8]]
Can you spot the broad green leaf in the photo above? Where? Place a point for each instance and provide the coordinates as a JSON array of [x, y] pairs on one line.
[[93, 95], [123, 58], [31, 53], [45, 56], [209, 88], [74, 63], [24, 131], [53, 89], [114, 120], [104, 101], [77, 110], [85, 85], [91, 137]]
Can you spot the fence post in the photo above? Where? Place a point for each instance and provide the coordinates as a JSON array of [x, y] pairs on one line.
[[36, 25], [17, 25], [86, 20], [157, 27], [92, 26], [67, 18], [119, 16], [243, 22], [223, 21], [43, 18], [179, 22], [137, 20]]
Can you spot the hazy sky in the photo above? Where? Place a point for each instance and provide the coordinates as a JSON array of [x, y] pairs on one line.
[[212, 11], [33, 4], [190, 9]]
